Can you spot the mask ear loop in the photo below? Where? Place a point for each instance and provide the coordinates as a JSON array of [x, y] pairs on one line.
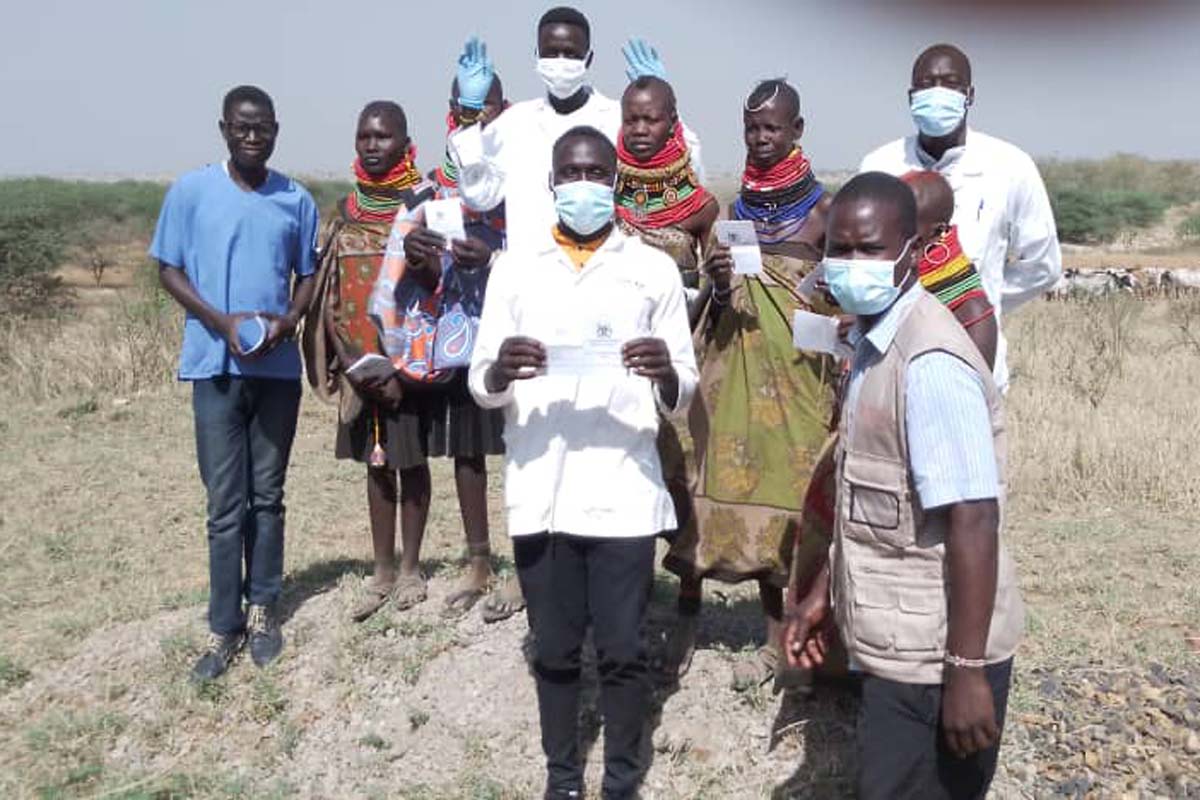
[[911, 269]]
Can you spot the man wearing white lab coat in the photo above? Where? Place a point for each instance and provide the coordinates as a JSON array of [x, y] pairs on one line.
[[583, 340], [1003, 214], [509, 161]]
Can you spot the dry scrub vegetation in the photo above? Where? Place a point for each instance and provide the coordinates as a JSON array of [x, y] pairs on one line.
[[103, 582]]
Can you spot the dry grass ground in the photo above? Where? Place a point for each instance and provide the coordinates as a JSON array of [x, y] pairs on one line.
[[103, 582]]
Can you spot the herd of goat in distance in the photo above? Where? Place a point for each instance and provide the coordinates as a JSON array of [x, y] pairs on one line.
[[1140, 282]]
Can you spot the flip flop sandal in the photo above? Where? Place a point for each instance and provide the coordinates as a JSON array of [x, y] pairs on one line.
[[504, 602], [459, 602], [374, 597], [410, 590]]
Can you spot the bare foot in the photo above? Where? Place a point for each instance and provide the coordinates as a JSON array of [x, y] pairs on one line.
[[470, 589], [374, 595], [410, 590], [504, 602]]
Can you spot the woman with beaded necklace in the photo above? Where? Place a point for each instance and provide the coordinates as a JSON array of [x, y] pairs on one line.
[[471, 432], [760, 419], [660, 200], [658, 195], [377, 424]]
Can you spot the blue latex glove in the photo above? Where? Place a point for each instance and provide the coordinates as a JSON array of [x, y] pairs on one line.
[[642, 59], [475, 74]]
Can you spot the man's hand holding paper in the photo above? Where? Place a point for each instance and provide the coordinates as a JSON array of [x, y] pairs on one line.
[[520, 358]]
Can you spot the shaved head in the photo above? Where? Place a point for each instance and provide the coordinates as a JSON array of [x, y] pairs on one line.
[[605, 151], [873, 218], [935, 199], [777, 92], [653, 87], [891, 199], [941, 53], [389, 112]]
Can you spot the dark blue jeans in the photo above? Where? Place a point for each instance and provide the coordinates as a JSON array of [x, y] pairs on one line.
[[244, 432]]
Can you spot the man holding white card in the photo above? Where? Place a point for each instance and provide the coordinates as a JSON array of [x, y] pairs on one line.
[[917, 581], [584, 337]]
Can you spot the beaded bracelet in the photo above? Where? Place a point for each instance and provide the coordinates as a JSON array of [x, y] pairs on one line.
[[971, 322], [965, 663]]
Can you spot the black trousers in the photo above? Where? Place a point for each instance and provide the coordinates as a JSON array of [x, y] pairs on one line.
[[570, 582], [902, 751]]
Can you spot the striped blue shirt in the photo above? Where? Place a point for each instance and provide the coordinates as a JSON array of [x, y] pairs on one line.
[[950, 447]]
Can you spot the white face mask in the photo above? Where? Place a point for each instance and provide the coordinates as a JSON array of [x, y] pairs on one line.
[[563, 76]]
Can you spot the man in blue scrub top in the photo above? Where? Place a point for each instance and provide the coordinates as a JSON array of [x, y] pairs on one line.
[[236, 247]]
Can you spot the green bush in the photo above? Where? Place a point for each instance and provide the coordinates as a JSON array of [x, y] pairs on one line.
[[27, 244], [327, 193], [65, 204], [1176, 182], [1089, 217], [41, 218]]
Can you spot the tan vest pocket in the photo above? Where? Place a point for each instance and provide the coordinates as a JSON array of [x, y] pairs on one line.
[[877, 500], [902, 617], [878, 508], [921, 623], [874, 604]]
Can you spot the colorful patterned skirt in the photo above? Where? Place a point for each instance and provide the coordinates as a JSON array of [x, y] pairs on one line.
[[760, 423]]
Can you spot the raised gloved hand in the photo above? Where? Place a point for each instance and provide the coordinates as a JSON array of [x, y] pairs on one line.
[[475, 74], [642, 59]]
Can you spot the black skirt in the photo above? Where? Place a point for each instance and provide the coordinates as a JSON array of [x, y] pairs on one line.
[[438, 420]]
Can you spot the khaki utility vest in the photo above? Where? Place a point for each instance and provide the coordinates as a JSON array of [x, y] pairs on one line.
[[890, 583]]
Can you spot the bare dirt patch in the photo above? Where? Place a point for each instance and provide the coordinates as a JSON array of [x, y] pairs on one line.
[[103, 581]]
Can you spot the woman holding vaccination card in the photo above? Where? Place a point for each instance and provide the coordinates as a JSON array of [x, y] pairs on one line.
[[762, 412], [428, 299]]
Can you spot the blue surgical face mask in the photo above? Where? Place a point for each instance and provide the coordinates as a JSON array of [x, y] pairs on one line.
[[937, 110], [863, 286], [584, 206]]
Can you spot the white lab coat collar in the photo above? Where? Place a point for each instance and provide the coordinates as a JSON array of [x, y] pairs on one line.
[[544, 107], [961, 159]]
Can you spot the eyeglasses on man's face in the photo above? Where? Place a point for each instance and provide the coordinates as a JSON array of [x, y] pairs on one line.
[[245, 130]]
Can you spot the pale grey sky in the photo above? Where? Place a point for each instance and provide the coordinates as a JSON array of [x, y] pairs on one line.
[[134, 86]]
